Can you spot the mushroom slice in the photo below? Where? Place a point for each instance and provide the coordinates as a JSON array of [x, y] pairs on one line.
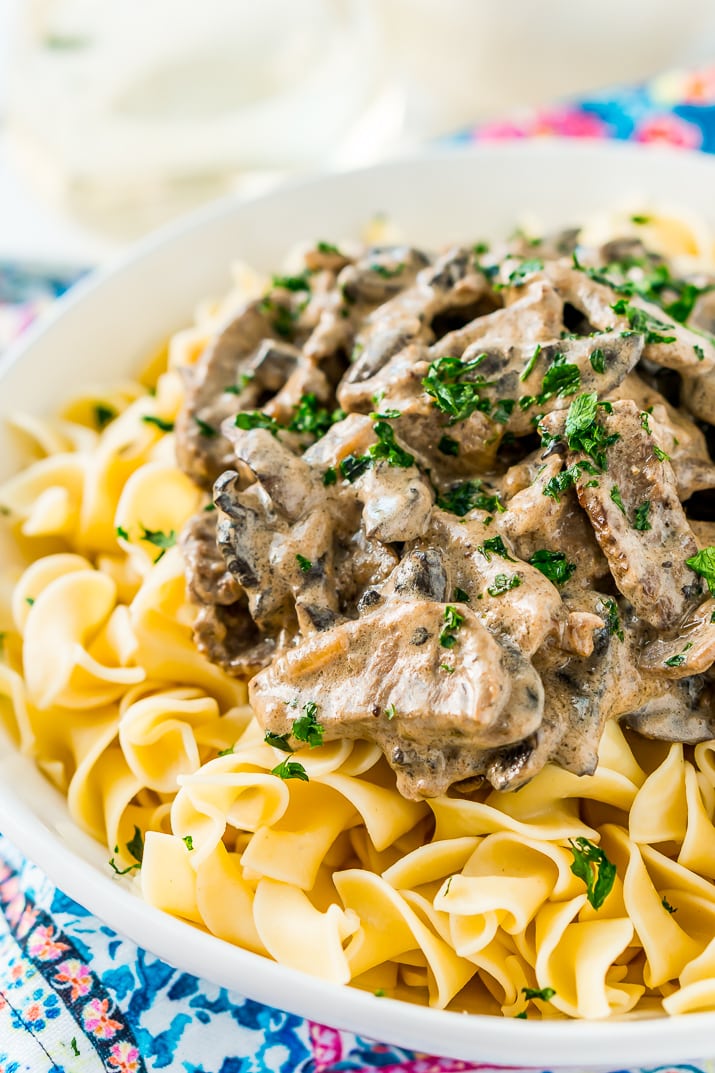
[[692, 651], [638, 520], [388, 678]]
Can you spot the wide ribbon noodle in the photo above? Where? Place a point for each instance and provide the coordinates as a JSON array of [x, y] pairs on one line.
[[468, 901]]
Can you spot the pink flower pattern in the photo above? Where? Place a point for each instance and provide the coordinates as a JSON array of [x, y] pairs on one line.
[[76, 975], [44, 946], [670, 130], [97, 1020], [124, 1058]]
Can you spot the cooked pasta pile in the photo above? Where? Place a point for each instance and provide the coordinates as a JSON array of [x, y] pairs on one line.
[[479, 901]]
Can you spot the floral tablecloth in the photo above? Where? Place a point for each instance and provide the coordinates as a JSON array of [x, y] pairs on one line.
[[75, 997]]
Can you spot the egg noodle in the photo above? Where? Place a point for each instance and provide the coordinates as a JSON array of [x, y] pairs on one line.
[[467, 901]]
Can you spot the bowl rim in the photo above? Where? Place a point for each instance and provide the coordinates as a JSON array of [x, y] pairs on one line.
[[475, 1036]]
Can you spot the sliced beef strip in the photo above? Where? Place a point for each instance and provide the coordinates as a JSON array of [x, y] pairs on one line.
[[534, 521], [208, 580], [203, 457], [648, 566], [227, 635], [690, 651], [684, 712], [381, 678], [524, 615], [675, 433], [451, 284]]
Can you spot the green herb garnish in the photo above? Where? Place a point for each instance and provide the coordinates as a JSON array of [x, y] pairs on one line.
[[309, 416], [387, 447], [504, 583], [304, 564], [454, 391], [159, 539], [307, 728], [641, 522], [103, 414], [204, 428], [704, 564], [529, 367], [122, 533], [278, 741], [544, 993], [667, 906], [452, 622], [327, 247], [159, 422], [188, 842], [249, 419], [292, 283], [554, 565], [448, 446], [561, 379], [390, 711], [699, 352], [660, 453], [615, 495], [583, 431], [330, 476], [469, 496], [613, 619], [135, 848], [460, 595], [517, 278], [644, 323], [497, 546], [385, 272], [598, 361], [592, 865], [679, 659], [290, 769], [353, 466]]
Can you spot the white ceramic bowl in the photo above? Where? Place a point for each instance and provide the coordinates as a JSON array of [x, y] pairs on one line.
[[106, 327]]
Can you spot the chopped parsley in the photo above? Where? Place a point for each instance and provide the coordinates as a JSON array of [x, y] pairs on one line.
[[592, 865], [561, 482], [667, 906], [385, 272], [135, 848], [225, 752], [660, 453], [188, 842], [446, 667], [304, 564], [204, 428], [309, 416], [704, 564], [290, 769], [644, 323], [544, 993], [469, 496], [615, 495], [452, 622], [561, 379], [292, 283], [387, 447], [159, 422], [103, 414], [497, 546], [613, 619], [641, 522], [330, 476], [278, 741], [460, 596], [122, 533], [30, 600], [598, 360], [353, 466], [529, 367], [503, 410], [327, 247], [638, 220], [554, 565], [249, 419], [209, 507], [454, 391], [448, 446], [307, 728], [390, 711], [75, 1048], [159, 539], [679, 659], [517, 278], [583, 431], [645, 422], [699, 352], [504, 583]]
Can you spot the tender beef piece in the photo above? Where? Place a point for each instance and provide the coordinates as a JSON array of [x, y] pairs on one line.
[[704, 532], [227, 635], [533, 522], [397, 502], [219, 367], [648, 566], [361, 563], [697, 394], [381, 274], [524, 615], [451, 284], [208, 580], [591, 299], [535, 315], [381, 678], [690, 651], [675, 433], [683, 712]]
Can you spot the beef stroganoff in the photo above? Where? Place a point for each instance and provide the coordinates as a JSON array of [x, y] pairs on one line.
[[445, 520]]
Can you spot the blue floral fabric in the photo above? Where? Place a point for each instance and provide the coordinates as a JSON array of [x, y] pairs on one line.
[[75, 997]]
